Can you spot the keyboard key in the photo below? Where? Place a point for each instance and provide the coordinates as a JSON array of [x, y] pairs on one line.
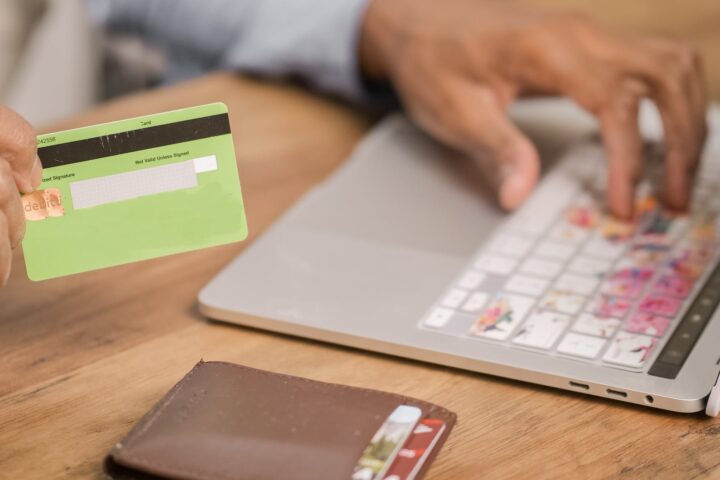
[[504, 313], [471, 280], [541, 330], [625, 271], [550, 197], [510, 245], [546, 203], [598, 247], [659, 305], [703, 253], [589, 265], [541, 267], [694, 252], [562, 301], [496, 264], [586, 217], [568, 233], [680, 265], [527, 285], [657, 241], [703, 228], [615, 231], [629, 350], [590, 324], [579, 284], [454, 298], [672, 285], [476, 302], [533, 225], [623, 287], [661, 229], [581, 346], [641, 256], [646, 203], [438, 318], [555, 250], [653, 241], [610, 306], [647, 324]]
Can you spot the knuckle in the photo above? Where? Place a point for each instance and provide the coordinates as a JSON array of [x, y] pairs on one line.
[[454, 111], [673, 85], [26, 142], [19, 133], [687, 56], [682, 61], [596, 95]]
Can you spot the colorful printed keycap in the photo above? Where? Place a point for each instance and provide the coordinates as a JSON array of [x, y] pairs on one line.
[[597, 326], [648, 324], [659, 305], [672, 285], [629, 350], [501, 316], [610, 306]]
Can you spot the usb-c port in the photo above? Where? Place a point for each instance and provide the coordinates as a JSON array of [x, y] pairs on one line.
[[616, 393], [584, 386]]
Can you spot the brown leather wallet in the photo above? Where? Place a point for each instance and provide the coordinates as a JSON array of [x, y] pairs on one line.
[[226, 421]]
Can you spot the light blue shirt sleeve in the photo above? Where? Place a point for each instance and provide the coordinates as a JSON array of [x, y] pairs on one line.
[[314, 40]]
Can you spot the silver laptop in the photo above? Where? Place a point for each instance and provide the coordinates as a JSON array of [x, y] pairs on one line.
[[402, 251]]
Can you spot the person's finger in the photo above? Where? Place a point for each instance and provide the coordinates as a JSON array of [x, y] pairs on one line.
[[5, 251], [623, 146], [18, 145], [475, 121], [11, 206], [698, 96], [672, 76]]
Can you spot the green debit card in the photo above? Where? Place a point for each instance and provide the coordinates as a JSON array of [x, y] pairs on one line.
[[132, 190]]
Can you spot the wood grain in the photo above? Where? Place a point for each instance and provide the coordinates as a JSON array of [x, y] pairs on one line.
[[84, 357]]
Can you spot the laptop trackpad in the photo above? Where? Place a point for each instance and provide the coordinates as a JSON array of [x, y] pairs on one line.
[[403, 189]]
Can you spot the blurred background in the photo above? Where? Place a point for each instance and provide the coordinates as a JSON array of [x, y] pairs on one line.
[[54, 63]]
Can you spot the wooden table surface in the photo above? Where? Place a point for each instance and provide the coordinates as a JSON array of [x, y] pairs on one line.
[[84, 357]]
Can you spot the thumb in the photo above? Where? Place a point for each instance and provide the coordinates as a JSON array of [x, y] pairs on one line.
[[519, 165], [18, 148], [482, 130]]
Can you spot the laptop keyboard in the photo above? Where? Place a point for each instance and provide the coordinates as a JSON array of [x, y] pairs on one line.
[[562, 277]]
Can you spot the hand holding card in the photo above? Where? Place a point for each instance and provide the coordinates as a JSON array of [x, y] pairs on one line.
[[133, 190]]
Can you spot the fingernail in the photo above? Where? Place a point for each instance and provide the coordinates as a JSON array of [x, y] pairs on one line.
[[513, 190], [36, 174]]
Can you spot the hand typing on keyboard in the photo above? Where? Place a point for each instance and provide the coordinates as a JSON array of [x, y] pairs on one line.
[[563, 277], [20, 169], [458, 64]]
